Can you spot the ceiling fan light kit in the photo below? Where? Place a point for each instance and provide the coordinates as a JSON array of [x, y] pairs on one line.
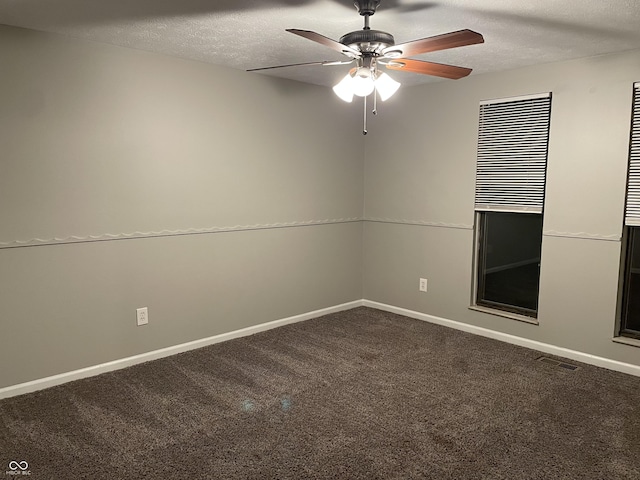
[[362, 83], [343, 89], [386, 86], [373, 48]]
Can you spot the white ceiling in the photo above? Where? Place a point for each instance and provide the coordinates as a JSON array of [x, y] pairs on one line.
[[247, 34]]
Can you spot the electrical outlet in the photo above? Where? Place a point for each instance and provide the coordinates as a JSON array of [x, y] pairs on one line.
[[423, 284], [142, 315]]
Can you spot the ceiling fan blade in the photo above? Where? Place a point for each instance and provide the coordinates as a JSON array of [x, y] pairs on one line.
[[428, 68], [324, 64], [460, 38], [327, 42]]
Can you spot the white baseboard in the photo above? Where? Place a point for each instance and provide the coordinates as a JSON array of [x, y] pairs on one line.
[[505, 337], [54, 380]]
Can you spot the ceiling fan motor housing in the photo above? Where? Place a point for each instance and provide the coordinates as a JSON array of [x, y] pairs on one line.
[[369, 42]]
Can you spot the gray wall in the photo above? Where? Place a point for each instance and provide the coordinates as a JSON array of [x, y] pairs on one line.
[[421, 198], [100, 143], [124, 147]]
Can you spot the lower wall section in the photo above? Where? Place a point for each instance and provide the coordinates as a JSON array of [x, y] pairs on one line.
[[503, 337], [578, 286], [68, 307], [52, 381]]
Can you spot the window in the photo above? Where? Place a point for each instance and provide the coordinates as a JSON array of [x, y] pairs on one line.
[[630, 322], [630, 311], [513, 142], [509, 261]]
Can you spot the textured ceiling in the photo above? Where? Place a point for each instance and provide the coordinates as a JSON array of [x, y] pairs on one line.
[[246, 34]]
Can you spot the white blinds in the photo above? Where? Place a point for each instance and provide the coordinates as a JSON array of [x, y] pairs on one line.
[[632, 215], [513, 140]]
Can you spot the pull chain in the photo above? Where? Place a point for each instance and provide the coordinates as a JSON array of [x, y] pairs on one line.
[[364, 128], [375, 101]]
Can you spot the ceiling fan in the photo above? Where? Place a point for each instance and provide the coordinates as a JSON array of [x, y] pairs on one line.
[[371, 49]]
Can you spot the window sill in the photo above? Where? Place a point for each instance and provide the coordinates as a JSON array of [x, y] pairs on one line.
[[627, 341], [502, 313]]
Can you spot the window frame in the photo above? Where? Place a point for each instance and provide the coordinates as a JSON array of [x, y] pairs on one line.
[[631, 224], [481, 208], [481, 255], [631, 234]]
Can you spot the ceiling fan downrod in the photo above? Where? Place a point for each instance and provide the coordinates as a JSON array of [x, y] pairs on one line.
[[366, 8]]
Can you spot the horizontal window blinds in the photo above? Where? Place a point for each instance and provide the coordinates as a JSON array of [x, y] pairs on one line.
[[513, 141], [632, 214]]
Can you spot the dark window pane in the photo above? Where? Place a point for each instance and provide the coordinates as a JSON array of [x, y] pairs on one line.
[[631, 308], [509, 261]]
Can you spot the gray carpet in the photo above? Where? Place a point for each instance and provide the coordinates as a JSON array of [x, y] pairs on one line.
[[361, 394]]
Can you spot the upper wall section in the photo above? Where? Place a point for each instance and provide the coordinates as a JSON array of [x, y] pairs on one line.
[[423, 169], [100, 141]]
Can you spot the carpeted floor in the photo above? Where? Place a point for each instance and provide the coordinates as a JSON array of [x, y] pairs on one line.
[[361, 394]]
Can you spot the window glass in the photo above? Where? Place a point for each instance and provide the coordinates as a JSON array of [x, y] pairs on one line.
[[510, 246], [630, 323]]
